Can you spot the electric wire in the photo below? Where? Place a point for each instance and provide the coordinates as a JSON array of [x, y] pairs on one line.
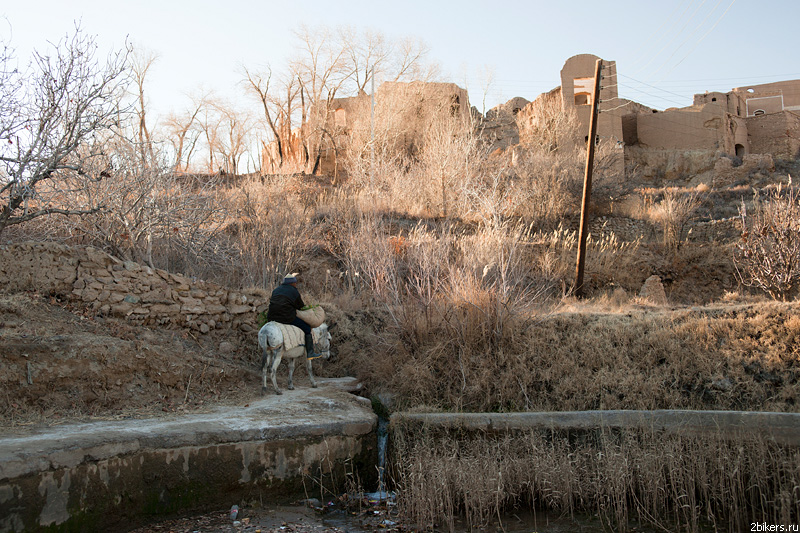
[[691, 35], [703, 37], [675, 35]]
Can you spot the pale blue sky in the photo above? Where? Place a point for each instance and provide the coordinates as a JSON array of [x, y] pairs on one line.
[[680, 46]]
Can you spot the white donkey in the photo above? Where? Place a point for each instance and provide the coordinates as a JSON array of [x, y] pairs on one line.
[[275, 347]]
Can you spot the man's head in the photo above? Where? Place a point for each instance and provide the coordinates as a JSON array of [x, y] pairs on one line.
[[290, 279]]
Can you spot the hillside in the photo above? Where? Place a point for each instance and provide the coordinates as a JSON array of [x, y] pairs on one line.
[[63, 364]]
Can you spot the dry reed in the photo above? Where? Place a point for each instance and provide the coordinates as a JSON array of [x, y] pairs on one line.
[[627, 478]]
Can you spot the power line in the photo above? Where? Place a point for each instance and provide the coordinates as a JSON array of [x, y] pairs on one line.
[[653, 87], [660, 34], [652, 58], [703, 37], [692, 34]]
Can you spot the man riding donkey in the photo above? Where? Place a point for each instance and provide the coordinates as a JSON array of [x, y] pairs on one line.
[[283, 306]]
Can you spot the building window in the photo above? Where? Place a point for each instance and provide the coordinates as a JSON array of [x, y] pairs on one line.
[[582, 88], [714, 99], [759, 112]]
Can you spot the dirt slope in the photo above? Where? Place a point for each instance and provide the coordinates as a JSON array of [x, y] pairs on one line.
[[59, 363]]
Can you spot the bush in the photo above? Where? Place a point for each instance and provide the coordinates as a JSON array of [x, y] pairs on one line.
[[768, 256]]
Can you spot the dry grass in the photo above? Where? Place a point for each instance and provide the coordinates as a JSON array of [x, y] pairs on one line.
[[481, 355], [625, 478], [672, 213]]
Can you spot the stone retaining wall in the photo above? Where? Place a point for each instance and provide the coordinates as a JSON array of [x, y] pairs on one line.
[[129, 290], [631, 229]]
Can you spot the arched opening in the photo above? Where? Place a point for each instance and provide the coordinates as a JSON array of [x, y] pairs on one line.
[[759, 112], [582, 98], [739, 150]]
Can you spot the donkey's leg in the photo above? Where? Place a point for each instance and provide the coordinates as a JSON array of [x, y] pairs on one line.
[[290, 362], [265, 360], [273, 369], [310, 373]]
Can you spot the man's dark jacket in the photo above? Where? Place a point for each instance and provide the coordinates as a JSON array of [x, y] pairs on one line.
[[283, 304]]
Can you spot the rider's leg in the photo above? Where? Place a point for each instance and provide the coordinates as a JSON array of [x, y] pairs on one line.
[[310, 354]]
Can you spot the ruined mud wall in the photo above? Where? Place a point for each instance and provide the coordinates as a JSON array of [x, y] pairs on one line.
[[125, 289], [683, 129], [777, 134]]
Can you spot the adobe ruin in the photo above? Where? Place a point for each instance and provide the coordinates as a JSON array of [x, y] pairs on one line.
[[758, 123], [746, 123]]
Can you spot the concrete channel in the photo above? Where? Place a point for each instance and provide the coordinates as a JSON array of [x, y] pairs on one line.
[[784, 428], [113, 475], [118, 474]]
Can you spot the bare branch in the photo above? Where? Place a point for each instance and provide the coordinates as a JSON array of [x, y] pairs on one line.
[[54, 121]]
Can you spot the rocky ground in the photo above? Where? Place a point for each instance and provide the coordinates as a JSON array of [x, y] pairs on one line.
[[299, 518]]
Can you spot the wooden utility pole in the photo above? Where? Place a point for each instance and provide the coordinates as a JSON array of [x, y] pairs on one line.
[[587, 181]]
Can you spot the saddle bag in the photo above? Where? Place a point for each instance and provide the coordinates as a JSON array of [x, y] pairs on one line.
[[314, 316]]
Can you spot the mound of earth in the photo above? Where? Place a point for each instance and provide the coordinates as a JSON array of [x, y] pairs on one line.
[[61, 363]]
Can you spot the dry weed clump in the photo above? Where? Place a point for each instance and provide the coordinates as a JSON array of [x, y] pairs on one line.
[[673, 213], [626, 478]]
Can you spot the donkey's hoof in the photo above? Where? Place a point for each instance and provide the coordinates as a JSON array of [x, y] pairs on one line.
[[278, 392], [290, 387], [313, 385], [263, 391]]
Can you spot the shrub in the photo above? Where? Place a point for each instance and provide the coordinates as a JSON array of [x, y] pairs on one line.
[[672, 213], [768, 256]]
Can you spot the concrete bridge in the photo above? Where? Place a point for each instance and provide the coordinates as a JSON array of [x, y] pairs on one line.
[[112, 475]]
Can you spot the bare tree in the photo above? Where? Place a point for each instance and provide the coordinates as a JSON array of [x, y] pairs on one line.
[[184, 132], [321, 71], [234, 144], [140, 66], [330, 64], [449, 156], [768, 256], [52, 123], [278, 107], [371, 54], [365, 55], [209, 122], [148, 209]]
